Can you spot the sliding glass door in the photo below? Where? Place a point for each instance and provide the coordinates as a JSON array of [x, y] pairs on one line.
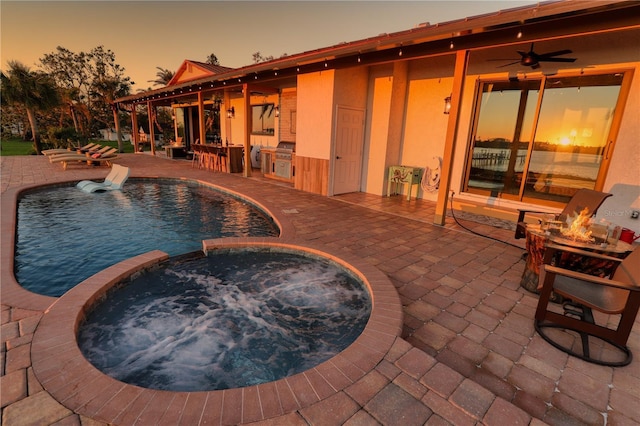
[[501, 136], [572, 134], [542, 139]]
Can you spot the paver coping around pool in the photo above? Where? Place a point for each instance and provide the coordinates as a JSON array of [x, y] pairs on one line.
[[74, 382]]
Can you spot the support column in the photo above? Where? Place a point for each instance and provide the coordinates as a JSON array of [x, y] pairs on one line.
[[134, 127], [227, 121], [201, 123], [247, 129], [462, 61], [152, 135]]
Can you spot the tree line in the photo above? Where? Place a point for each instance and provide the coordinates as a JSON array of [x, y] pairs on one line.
[[70, 95]]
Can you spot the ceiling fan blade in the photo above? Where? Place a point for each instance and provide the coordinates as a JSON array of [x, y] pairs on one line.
[[557, 60], [509, 64], [558, 53]]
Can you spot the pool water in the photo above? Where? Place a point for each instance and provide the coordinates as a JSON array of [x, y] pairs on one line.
[[65, 235], [232, 319]]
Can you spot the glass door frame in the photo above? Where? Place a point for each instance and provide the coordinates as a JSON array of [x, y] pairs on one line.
[[625, 88]]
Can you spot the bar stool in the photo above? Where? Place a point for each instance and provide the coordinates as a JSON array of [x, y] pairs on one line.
[[222, 160], [197, 155]]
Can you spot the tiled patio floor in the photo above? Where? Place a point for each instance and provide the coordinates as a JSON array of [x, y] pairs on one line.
[[468, 352]]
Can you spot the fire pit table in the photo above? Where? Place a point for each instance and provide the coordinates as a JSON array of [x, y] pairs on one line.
[[536, 243]]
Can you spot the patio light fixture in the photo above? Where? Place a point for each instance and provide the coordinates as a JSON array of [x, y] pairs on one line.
[[276, 110], [231, 112], [447, 104]]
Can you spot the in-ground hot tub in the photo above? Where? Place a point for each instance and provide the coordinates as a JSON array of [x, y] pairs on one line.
[[231, 319], [66, 374]]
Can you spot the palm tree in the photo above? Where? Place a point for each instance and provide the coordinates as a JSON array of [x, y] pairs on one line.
[[212, 59], [35, 91], [163, 77]]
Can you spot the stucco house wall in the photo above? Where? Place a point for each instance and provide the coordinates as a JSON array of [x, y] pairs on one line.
[[315, 113], [380, 83], [425, 122], [623, 177]]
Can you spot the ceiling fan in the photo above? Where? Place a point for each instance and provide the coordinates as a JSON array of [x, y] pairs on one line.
[[533, 59]]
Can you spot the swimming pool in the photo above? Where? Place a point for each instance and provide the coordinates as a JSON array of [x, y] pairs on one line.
[[229, 320], [64, 235]]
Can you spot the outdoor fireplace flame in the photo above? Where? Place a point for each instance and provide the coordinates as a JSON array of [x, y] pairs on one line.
[[578, 229]]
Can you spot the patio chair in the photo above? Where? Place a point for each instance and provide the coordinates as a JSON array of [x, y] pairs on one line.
[[574, 329], [583, 198], [114, 180]]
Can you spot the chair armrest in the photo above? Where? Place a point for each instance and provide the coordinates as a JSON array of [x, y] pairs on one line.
[[554, 270], [522, 212], [586, 253]]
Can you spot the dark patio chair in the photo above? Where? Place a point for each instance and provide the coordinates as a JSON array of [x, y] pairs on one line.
[[583, 198], [574, 330]]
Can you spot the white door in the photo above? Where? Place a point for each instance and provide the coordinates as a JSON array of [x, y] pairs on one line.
[[349, 142]]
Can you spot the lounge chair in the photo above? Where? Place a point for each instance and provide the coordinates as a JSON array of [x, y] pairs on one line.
[[114, 180], [107, 157], [69, 150], [96, 150]]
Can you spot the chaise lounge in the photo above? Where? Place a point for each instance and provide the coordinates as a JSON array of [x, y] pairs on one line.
[[70, 150], [114, 180], [95, 150], [106, 157]]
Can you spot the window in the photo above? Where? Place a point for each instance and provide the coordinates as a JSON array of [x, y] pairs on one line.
[[569, 120], [263, 119]]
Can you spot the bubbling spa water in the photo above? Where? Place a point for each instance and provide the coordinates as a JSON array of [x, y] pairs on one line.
[[65, 235], [232, 319]]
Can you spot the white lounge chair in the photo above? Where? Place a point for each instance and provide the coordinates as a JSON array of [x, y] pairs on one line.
[[114, 180]]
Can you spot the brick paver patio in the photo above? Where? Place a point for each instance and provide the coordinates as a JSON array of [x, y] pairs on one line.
[[468, 353]]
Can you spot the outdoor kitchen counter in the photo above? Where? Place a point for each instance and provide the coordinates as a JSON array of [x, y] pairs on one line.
[[234, 158], [278, 163]]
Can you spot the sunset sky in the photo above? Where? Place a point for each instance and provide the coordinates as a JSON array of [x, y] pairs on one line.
[[149, 34]]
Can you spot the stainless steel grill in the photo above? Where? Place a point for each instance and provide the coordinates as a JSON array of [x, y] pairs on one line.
[[283, 162]]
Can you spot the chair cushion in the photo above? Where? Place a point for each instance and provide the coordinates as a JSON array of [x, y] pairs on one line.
[[603, 298]]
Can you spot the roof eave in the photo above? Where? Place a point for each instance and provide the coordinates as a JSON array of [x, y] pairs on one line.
[[461, 30]]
